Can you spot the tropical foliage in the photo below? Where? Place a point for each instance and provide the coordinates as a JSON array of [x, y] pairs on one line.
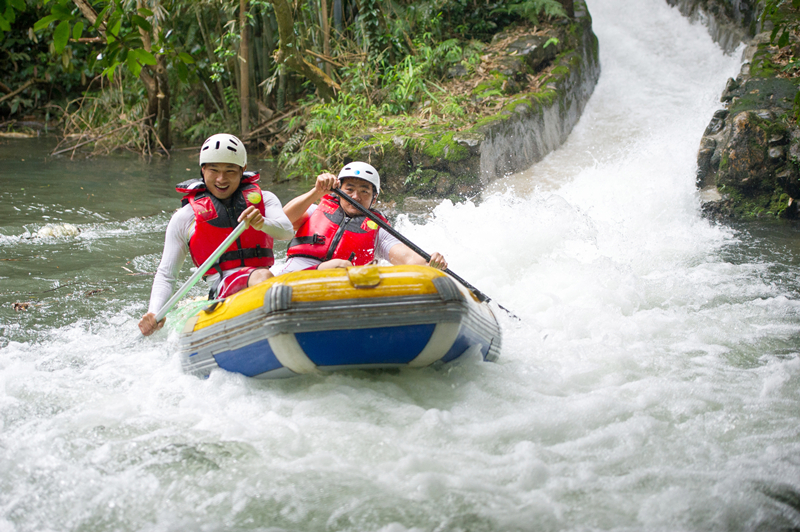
[[784, 23], [299, 77]]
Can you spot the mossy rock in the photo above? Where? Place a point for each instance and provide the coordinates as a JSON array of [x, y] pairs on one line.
[[390, 157], [435, 164], [760, 93], [422, 181]]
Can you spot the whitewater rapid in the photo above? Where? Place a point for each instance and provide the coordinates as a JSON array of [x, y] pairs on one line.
[[651, 382]]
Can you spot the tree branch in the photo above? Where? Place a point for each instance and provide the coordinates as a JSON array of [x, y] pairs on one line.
[[129, 124], [25, 86], [91, 15]]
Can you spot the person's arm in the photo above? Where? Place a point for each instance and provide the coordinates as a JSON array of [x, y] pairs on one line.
[[176, 249], [397, 253], [402, 254], [296, 209]]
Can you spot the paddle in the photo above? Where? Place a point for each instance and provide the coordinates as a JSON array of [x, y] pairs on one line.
[[201, 270], [480, 295]]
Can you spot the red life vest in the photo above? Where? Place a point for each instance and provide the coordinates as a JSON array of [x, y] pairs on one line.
[[214, 221], [329, 233]]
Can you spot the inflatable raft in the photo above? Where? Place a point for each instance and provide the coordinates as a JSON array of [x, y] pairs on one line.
[[355, 318]]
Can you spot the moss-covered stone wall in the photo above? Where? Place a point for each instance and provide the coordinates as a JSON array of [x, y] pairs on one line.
[[730, 22], [748, 164], [549, 78]]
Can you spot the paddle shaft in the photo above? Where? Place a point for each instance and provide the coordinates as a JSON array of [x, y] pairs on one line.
[[480, 295], [201, 270]]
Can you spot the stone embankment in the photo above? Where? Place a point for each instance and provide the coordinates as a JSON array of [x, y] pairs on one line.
[[543, 81], [730, 22], [749, 157]]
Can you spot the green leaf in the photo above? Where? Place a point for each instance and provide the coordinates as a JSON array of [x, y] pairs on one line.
[[4, 25], [783, 40], [112, 27], [77, 30], [61, 12], [110, 56], [145, 57], [19, 5], [43, 23], [186, 58], [142, 23], [61, 36], [133, 65], [101, 16], [116, 27], [3, 7], [109, 72], [145, 12], [183, 72]]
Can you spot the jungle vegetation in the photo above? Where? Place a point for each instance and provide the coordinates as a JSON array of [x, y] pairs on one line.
[[297, 78]]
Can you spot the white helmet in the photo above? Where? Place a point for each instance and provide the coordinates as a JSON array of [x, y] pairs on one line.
[[223, 148], [362, 171]]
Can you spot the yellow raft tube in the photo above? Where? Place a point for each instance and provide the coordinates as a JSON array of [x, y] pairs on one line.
[[346, 318]]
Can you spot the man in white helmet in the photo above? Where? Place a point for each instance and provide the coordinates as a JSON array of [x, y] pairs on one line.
[[335, 234], [212, 207]]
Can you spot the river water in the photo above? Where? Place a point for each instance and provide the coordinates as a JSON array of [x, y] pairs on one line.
[[652, 382]]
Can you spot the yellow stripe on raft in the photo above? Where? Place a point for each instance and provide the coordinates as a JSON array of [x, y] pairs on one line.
[[327, 285]]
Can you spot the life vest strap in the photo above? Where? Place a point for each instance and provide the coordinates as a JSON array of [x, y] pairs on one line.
[[250, 253], [314, 239]]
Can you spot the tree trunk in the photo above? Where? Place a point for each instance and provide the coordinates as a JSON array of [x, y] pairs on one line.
[[326, 34], [158, 100], [281, 97], [164, 104], [290, 53], [244, 68], [211, 60], [158, 95], [338, 16]]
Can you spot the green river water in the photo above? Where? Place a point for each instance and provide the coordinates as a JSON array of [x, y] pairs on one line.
[[119, 204]]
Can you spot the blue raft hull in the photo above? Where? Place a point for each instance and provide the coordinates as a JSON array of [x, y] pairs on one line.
[[280, 337]]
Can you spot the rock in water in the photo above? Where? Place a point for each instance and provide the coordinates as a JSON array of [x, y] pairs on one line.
[[58, 230]]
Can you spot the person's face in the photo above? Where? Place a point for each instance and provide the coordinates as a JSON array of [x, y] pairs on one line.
[[222, 179], [358, 189]]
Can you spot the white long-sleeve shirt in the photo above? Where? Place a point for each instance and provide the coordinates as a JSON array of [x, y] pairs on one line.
[[176, 246]]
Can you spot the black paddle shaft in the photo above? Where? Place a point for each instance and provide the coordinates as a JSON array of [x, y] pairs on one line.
[[366, 212]]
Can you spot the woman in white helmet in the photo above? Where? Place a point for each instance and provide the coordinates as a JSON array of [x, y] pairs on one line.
[[212, 207], [336, 234]]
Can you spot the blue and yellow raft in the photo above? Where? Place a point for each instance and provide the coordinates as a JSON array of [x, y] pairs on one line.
[[361, 317]]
